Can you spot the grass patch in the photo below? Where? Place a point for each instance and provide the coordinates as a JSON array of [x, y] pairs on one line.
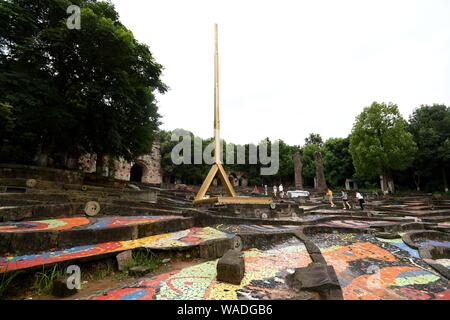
[[146, 259], [43, 283], [99, 271]]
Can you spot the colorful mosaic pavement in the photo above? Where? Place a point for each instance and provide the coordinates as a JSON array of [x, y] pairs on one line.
[[264, 279], [80, 223], [253, 228], [369, 268], [185, 238]]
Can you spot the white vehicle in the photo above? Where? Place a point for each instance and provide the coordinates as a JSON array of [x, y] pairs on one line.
[[298, 194]]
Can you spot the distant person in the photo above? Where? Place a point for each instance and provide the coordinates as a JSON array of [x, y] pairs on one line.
[[255, 190], [275, 190], [281, 190], [266, 192], [345, 200], [360, 199], [330, 197]]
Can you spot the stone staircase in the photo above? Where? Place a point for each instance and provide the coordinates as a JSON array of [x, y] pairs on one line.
[[43, 219]]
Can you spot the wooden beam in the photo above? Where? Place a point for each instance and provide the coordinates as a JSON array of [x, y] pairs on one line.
[[225, 181], [234, 200], [207, 183]]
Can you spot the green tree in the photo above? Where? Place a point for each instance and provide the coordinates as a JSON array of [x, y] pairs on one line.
[[308, 162], [430, 127], [76, 91], [337, 161], [314, 138], [380, 142]]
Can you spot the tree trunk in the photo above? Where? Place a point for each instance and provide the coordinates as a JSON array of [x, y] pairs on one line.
[[42, 156], [384, 183], [99, 164], [416, 178], [444, 179], [391, 185], [42, 159], [111, 167]]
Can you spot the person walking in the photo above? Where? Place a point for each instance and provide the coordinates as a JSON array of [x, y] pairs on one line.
[[275, 190], [281, 190], [345, 200], [266, 192], [360, 198], [330, 197]]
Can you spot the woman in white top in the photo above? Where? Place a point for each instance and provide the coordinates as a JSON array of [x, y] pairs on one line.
[[360, 199]]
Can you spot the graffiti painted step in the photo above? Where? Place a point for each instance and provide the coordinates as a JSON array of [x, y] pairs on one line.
[[35, 236], [264, 278], [13, 212], [208, 242]]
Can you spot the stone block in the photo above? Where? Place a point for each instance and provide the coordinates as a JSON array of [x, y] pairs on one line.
[[231, 267], [124, 259], [316, 277]]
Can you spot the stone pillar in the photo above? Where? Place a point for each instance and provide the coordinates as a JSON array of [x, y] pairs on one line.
[[298, 171], [321, 183]]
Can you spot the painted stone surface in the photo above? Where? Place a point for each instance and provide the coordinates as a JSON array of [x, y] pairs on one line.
[[253, 228], [80, 223], [111, 222], [185, 238], [51, 224], [264, 279], [357, 224], [369, 268], [434, 243], [444, 262]]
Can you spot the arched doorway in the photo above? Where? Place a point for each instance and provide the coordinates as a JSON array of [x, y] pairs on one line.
[[136, 173]]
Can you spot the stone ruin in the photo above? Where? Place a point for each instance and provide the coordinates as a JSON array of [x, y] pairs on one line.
[[146, 169], [320, 182], [298, 171]]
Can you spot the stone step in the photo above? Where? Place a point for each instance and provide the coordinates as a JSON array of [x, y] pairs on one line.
[[203, 242], [34, 236], [13, 210]]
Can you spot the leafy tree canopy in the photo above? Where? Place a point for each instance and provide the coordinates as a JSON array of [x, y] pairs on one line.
[[75, 91], [337, 161], [430, 126], [314, 138], [380, 142]]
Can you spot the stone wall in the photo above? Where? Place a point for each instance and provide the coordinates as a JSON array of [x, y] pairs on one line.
[[121, 169]]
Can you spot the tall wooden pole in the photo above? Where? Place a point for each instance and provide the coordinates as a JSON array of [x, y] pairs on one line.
[[216, 98], [217, 168]]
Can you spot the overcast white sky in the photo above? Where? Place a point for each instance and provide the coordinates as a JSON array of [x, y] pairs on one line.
[[288, 68]]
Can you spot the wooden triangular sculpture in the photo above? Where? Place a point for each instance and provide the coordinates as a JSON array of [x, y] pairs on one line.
[[217, 168]]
